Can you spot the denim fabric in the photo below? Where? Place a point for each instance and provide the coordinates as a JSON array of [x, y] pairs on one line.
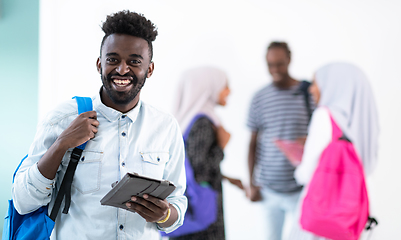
[[277, 207], [144, 140]]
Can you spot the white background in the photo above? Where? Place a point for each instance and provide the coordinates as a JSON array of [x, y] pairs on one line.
[[233, 35]]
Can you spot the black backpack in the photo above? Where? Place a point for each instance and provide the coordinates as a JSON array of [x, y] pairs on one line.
[[303, 89]]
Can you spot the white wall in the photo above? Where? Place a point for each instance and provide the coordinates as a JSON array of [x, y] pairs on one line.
[[233, 35]]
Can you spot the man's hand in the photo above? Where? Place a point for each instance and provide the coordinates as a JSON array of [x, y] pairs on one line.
[[82, 129], [153, 209], [253, 193], [301, 140]]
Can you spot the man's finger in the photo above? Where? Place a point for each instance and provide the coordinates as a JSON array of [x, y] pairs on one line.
[[94, 129], [155, 205], [90, 114], [91, 135], [147, 217], [163, 204], [94, 122], [147, 204], [143, 211]]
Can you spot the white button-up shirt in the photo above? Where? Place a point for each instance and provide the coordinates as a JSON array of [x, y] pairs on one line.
[[144, 140]]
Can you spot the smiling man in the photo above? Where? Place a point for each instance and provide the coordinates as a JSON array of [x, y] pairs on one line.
[[125, 135]]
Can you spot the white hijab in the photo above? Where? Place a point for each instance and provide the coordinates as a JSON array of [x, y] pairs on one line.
[[198, 93], [345, 90]]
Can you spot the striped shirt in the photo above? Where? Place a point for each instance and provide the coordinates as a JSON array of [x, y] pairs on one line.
[[277, 114]]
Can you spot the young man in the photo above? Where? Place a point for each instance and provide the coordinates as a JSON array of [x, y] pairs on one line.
[[125, 135], [278, 111]]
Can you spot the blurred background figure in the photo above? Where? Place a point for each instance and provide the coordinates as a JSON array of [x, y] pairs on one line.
[[343, 90], [200, 91], [278, 111]]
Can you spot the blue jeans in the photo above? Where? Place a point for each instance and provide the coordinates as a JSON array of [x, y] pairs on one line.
[[277, 206]]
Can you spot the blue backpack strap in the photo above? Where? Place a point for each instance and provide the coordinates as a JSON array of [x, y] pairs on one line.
[[38, 224], [84, 105], [19, 165]]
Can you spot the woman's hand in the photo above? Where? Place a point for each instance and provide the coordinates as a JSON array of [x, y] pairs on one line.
[[222, 137], [236, 182]]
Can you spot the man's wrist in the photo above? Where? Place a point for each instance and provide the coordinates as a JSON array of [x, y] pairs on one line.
[[61, 145], [166, 218], [171, 219]]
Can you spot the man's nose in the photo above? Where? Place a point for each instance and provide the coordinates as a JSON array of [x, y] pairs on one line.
[[122, 68], [273, 68]]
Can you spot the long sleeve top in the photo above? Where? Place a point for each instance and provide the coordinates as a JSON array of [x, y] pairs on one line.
[[205, 156], [144, 140], [319, 136]]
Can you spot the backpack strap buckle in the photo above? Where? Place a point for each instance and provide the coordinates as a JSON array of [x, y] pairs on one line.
[[369, 223]]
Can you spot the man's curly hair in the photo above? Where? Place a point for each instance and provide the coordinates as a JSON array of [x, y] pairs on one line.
[[282, 45], [130, 23]]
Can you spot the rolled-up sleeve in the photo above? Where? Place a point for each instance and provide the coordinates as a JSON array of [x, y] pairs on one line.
[[175, 172], [31, 189]]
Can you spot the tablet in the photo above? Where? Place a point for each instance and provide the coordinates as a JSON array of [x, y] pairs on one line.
[[132, 184]]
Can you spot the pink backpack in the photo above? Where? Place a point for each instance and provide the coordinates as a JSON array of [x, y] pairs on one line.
[[336, 205]]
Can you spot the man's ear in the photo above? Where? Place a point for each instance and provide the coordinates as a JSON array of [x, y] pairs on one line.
[[150, 69], [99, 66]]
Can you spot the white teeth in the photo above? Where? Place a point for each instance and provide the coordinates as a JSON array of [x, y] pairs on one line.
[[121, 82]]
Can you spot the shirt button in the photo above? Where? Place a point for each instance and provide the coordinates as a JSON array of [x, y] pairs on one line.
[[123, 134], [123, 116], [123, 164], [121, 227]]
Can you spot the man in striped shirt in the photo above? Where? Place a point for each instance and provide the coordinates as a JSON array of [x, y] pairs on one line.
[[277, 111]]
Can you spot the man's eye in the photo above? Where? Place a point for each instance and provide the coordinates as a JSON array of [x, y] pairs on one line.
[[136, 61], [111, 59]]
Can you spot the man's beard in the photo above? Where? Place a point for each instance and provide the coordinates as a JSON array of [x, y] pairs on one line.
[[123, 98], [283, 82]]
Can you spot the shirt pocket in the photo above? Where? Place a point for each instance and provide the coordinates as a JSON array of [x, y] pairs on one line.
[[87, 175], [153, 163]]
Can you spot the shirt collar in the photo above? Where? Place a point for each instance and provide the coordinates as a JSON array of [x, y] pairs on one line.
[[111, 114]]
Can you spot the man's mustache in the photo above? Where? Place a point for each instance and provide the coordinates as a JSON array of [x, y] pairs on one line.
[[127, 75]]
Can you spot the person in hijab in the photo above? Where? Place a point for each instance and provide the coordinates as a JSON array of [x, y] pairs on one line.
[[343, 90], [200, 91]]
